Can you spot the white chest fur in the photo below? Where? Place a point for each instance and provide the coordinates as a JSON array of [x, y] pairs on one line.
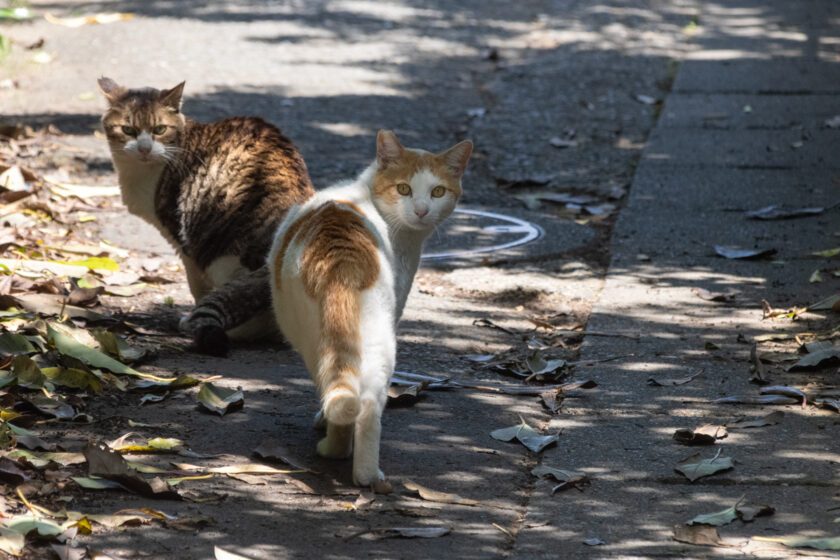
[[138, 184]]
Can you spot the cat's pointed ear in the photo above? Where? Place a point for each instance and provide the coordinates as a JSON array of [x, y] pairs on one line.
[[388, 148], [110, 89], [456, 157], [172, 97]]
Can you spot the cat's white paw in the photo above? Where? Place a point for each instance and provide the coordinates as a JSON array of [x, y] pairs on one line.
[[320, 420], [365, 477], [333, 450], [183, 324]]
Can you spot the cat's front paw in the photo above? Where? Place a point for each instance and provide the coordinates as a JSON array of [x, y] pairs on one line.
[[211, 339], [367, 478]]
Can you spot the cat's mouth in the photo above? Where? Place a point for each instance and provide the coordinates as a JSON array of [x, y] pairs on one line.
[[420, 224], [146, 158]]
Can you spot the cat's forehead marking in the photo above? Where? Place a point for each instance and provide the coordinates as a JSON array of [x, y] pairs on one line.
[[423, 170], [425, 178], [140, 108]]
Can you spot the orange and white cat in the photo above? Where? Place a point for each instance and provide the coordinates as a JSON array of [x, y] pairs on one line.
[[341, 266]]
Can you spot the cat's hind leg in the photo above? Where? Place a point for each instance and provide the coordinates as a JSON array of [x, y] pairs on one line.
[[238, 303], [377, 366], [338, 443]]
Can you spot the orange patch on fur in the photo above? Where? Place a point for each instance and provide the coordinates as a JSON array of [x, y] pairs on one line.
[[340, 251], [351, 205], [409, 164], [339, 261]]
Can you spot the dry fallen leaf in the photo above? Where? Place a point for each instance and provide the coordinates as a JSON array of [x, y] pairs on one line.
[[767, 420], [435, 496], [220, 400], [659, 382], [695, 468], [697, 534], [526, 435], [738, 253], [686, 436], [775, 212], [405, 532], [819, 543], [222, 554]]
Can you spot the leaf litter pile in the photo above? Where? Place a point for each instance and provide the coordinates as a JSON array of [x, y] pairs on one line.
[[62, 345]]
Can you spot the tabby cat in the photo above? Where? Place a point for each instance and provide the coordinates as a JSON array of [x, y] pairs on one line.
[[341, 268], [216, 192]]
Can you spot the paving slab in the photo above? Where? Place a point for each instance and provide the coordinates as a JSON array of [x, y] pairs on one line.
[[748, 111], [777, 149], [724, 196], [782, 75]]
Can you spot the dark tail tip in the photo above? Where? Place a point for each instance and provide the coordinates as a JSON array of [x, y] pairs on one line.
[[211, 339]]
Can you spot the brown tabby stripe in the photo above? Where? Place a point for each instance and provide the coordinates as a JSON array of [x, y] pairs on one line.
[[225, 189], [232, 304], [230, 201]]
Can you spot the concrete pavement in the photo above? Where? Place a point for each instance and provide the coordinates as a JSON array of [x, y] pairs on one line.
[[742, 129], [331, 73]]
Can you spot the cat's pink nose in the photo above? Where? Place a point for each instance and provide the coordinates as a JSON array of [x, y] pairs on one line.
[[421, 212], [144, 150]]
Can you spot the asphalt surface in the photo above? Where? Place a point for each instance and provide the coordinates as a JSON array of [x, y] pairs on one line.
[[742, 128]]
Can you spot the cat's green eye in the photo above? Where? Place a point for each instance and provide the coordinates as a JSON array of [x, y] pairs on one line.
[[404, 189], [438, 191], [129, 131], [159, 129]]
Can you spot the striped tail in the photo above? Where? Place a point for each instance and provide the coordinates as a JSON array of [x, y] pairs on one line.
[[340, 354]]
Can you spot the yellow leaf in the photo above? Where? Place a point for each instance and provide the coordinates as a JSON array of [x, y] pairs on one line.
[[84, 20], [96, 263], [177, 481], [828, 253], [84, 526], [6, 415]]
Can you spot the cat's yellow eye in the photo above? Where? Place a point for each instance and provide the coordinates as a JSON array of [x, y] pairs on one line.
[[438, 191], [159, 129], [129, 131], [404, 189]]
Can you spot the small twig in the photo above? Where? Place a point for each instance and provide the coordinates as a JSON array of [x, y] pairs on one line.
[[758, 374], [602, 360], [505, 531], [596, 333], [27, 503]]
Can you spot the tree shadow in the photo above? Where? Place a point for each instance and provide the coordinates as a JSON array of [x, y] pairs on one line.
[[443, 441]]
